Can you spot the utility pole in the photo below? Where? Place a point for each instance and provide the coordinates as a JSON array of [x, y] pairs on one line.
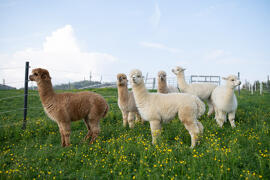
[[239, 85], [90, 76]]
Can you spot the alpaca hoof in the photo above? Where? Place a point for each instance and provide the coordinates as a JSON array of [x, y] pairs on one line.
[[67, 145], [131, 126], [220, 126]]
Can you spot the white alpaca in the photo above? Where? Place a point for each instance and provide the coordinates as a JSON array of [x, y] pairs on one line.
[[224, 100], [162, 84], [126, 102], [157, 108], [203, 91]]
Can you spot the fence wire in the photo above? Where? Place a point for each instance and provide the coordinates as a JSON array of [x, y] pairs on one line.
[[40, 107]]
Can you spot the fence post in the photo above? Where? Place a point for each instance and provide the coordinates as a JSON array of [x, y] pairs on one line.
[[145, 79], [261, 88], [25, 94], [267, 83], [239, 85], [154, 83]]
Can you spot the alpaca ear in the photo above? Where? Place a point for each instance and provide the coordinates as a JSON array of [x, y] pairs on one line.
[[224, 78], [45, 76]]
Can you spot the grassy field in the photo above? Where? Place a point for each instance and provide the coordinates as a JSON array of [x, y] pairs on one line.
[[123, 153]]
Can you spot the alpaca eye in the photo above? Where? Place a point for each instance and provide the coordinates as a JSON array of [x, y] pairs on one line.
[[232, 79], [35, 74]]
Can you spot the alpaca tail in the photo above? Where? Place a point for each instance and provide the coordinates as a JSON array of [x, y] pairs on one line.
[[106, 110], [200, 106]]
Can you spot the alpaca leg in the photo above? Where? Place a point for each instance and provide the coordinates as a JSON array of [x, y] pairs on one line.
[[231, 119], [221, 117], [66, 133], [87, 124], [200, 127], [193, 130], [216, 112], [194, 127], [62, 135], [138, 118], [95, 129], [131, 119], [125, 118], [155, 130], [210, 107]]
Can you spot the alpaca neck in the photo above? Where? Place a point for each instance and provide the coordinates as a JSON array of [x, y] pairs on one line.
[[229, 93], [140, 93], [182, 82], [46, 92], [162, 86], [122, 93]]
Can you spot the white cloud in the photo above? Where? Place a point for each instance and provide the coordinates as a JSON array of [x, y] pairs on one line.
[[155, 18], [159, 46], [216, 54], [61, 55]]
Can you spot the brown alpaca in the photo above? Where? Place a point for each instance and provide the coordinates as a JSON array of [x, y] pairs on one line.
[[126, 102], [162, 84], [63, 108]]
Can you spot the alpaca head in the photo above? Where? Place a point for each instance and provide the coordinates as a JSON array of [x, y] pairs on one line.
[[162, 75], [40, 75], [136, 77], [178, 70], [232, 81], [122, 79]]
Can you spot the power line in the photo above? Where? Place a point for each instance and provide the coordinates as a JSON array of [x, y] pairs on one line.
[[10, 68]]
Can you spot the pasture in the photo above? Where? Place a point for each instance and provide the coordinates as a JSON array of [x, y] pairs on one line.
[[123, 153]]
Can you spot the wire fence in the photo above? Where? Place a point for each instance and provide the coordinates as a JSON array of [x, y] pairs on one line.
[[20, 110], [150, 83]]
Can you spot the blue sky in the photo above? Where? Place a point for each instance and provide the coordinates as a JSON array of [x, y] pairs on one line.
[[71, 38]]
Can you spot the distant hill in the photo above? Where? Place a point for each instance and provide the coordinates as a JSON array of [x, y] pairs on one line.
[[5, 87], [81, 85], [77, 85]]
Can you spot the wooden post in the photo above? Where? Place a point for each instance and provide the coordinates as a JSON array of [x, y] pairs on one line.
[[251, 89], [25, 94]]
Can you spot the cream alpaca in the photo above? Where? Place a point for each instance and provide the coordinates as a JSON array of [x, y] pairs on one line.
[[162, 84], [157, 108], [63, 108], [224, 101], [203, 91], [126, 102]]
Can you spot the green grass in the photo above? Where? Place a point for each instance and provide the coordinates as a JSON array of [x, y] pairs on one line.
[[123, 153]]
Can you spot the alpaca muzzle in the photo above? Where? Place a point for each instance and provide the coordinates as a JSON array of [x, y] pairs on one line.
[[31, 78]]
